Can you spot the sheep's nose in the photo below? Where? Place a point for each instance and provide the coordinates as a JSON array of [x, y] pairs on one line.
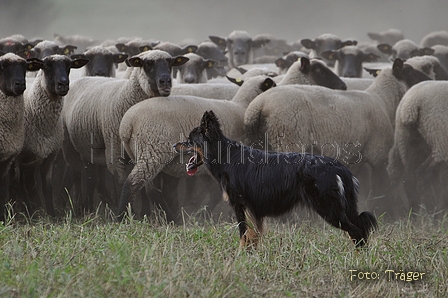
[[165, 81], [189, 80]]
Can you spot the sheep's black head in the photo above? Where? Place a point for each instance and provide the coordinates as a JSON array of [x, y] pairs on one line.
[[56, 70], [102, 61], [156, 66], [12, 73]]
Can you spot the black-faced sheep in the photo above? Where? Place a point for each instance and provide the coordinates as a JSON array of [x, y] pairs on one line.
[[12, 45], [441, 53], [312, 72], [325, 42], [352, 126], [95, 105], [43, 127], [239, 46], [285, 62], [194, 70], [47, 48], [81, 42], [348, 60], [12, 130], [209, 50], [149, 128], [435, 38], [389, 36], [404, 49], [429, 65], [175, 49], [419, 156], [102, 61], [305, 71]]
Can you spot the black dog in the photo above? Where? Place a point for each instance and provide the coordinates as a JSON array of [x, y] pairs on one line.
[[270, 184]]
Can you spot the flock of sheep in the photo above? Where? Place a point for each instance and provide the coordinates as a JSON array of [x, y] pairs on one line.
[[85, 122]]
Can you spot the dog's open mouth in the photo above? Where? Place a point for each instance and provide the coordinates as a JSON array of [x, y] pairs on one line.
[[192, 166]]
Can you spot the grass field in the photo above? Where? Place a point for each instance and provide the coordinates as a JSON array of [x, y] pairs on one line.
[[96, 257]]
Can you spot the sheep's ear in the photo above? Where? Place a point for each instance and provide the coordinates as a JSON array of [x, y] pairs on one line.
[[280, 62], [426, 51], [385, 48], [189, 49], [330, 55], [210, 64], [349, 43], [219, 41], [26, 54], [134, 62], [308, 43], [120, 57], [397, 67], [370, 57], [267, 84], [78, 63], [237, 81], [241, 70], [179, 60], [145, 48], [121, 47], [33, 64], [373, 72], [305, 64], [78, 56], [260, 42], [67, 50]]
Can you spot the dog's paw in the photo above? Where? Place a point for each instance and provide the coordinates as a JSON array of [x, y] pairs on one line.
[[249, 239]]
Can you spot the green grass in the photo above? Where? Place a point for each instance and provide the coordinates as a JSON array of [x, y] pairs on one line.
[[95, 257]]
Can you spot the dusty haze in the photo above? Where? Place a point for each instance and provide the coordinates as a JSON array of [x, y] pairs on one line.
[[175, 21]]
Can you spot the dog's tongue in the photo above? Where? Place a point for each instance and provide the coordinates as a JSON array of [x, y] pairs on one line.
[[191, 162]]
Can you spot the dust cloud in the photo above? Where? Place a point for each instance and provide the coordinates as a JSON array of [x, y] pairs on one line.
[[194, 21]]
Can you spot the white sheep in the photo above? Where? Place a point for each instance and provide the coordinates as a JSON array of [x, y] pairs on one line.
[[43, 127], [352, 126], [419, 155], [12, 130], [95, 105], [47, 48], [194, 71], [239, 46], [149, 128]]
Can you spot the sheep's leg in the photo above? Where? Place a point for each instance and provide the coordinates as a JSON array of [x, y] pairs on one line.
[[47, 190], [142, 174], [167, 198]]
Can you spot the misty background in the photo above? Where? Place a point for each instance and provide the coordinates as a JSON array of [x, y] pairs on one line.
[[176, 21]]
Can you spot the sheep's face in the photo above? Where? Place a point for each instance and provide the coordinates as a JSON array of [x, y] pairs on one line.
[[102, 62], [240, 50], [194, 71], [12, 74], [56, 70], [318, 73], [157, 79], [211, 51]]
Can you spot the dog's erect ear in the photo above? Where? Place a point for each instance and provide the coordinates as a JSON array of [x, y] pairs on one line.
[[209, 119]]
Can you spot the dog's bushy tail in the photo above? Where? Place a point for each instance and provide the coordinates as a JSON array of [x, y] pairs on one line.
[[366, 221]]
